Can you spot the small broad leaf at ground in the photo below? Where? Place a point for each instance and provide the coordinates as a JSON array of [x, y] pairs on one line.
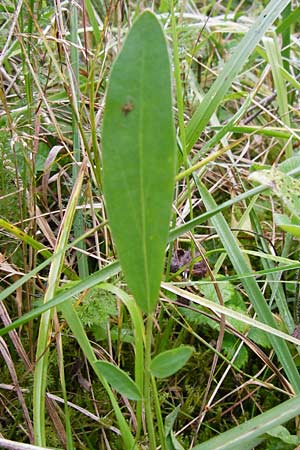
[[119, 380], [284, 186], [172, 442], [231, 298], [288, 225], [169, 362], [230, 345], [284, 436], [138, 150]]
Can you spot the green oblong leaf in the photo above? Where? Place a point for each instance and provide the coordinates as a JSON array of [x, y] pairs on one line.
[[119, 380], [138, 153], [169, 362], [284, 186], [285, 223]]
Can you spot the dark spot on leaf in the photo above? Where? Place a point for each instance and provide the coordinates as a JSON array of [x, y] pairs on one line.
[[127, 108]]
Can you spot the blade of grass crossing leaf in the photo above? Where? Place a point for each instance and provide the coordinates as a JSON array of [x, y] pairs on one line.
[[176, 232], [268, 131], [139, 340], [119, 380], [221, 85], [40, 373], [98, 277], [275, 60], [240, 436], [230, 313], [67, 293], [78, 224], [77, 329], [255, 296], [139, 158]]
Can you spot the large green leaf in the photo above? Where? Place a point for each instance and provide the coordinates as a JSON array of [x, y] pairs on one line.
[[139, 157]]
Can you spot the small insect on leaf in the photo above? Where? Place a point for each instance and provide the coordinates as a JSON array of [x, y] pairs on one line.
[[127, 108]]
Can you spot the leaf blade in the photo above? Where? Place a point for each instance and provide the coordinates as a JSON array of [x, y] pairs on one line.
[[119, 380], [169, 362], [139, 159]]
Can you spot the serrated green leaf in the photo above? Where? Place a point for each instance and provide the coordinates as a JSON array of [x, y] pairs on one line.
[[139, 157], [231, 298], [119, 380], [169, 362], [229, 347], [259, 337]]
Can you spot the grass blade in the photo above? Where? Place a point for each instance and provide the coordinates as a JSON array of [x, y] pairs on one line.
[[77, 329], [216, 93], [275, 60], [78, 224], [240, 265], [40, 373], [241, 435]]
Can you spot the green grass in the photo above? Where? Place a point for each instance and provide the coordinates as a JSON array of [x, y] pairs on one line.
[[131, 166]]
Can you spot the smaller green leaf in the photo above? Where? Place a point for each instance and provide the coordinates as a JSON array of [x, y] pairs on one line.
[[259, 337], [169, 362], [229, 347], [289, 164], [286, 224], [170, 420], [284, 435], [119, 380], [284, 186], [174, 442]]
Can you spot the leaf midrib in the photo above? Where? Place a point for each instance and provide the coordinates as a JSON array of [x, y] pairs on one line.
[[141, 126]]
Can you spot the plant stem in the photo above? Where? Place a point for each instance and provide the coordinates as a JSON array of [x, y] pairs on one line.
[[79, 219], [147, 384], [160, 423]]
